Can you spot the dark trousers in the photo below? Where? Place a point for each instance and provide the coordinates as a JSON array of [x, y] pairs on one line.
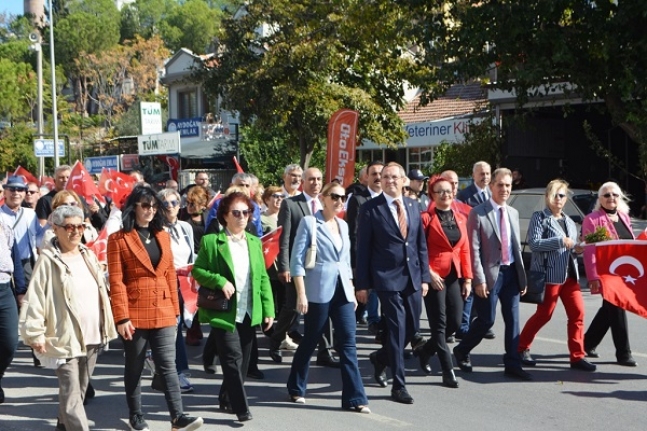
[[444, 311], [234, 349], [162, 344], [342, 314], [401, 311], [8, 326], [609, 316], [506, 290], [286, 322]]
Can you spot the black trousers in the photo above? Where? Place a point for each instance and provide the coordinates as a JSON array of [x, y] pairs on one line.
[[609, 316]]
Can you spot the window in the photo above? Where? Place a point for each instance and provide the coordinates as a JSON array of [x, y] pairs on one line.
[[188, 104], [421, 158]]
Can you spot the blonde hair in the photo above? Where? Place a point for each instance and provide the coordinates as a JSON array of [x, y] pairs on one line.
[[553, 187], [60, 197]]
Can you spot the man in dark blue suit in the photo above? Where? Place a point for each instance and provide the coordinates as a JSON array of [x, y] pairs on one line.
[[392, 259], [477, 192]]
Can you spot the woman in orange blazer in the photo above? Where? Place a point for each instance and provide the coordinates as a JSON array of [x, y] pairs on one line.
[[143, 291], [449, 264]]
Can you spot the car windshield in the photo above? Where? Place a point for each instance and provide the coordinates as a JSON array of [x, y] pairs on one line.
[[585, 202]]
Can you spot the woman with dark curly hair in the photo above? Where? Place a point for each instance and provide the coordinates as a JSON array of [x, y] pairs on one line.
[[232, 261], [143, 290]]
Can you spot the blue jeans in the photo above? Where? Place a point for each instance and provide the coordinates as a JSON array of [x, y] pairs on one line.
[[342, 314], [162, 343], [506, 290], [8, 326], [467, 314]]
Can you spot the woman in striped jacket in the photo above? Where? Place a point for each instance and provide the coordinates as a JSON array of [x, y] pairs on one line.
[[552, 237]]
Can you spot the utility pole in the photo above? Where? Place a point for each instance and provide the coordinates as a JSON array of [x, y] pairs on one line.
[[37, 46], [53, 66]]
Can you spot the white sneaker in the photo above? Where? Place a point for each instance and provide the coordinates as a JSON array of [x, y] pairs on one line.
[[288, 344], [185, 384]]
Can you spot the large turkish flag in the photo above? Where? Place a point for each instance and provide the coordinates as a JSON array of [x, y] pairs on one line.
[[621, 267]]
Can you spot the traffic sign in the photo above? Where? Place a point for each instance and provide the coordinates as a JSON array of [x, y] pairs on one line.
[[45, 147], [94, 165]]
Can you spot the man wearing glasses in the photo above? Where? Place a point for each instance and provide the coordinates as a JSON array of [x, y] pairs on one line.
[[23, 222], [31, 196], [292, 176]]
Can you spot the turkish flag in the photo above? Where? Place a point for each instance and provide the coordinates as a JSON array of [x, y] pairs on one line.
[[189, 291], [25, 174], [621, 267], [116, 185], [47, 182], [239, 169], [270, 243], [100, 246], [83, 185]]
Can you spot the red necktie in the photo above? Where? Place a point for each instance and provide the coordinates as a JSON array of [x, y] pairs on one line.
[[503, 230], [402, 219]]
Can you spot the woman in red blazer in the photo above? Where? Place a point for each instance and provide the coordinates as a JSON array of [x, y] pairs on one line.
[[143, 292], [449, 264]]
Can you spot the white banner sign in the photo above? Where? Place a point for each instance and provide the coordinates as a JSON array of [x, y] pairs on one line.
[[161, 143], [151, 117]]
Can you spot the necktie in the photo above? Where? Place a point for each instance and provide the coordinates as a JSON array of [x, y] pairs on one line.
[[503, 230], [483, 196], [402, 219], [313, 207]]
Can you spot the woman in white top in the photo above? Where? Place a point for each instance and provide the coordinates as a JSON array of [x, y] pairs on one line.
[[181, 234]]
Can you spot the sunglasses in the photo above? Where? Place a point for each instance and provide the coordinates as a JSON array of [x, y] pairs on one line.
[[278, 196], [171, 204], [31, 192], [407, 188], [608, 195], [71, 228], [240, 213], [336, 197], [70, 204], [560, 195], [195, 204], [15, 189], [147, 205]]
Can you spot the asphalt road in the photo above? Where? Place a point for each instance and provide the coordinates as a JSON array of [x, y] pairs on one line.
[[612, 398]]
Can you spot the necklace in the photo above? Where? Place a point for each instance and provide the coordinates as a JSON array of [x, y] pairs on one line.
[[147, 239]]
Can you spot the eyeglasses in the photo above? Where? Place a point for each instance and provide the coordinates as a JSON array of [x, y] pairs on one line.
[[71, 228], [608, 195], [240, 213], [336, 197], [278, 196], [443, 192], [15, 189], [171, 204], [32, 192], [146, 206], [407, 188], [193, 204], [70, 204], [560, 195]]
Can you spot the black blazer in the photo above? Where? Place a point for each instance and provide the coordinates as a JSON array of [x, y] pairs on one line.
[[356, 201], [292, 211]]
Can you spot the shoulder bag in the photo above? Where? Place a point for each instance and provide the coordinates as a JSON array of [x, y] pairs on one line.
[[213, 300]]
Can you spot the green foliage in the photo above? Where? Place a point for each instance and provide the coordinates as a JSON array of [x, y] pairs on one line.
[[17, 148], [482, 142], [17, 89], [291, 65], [192, 25]]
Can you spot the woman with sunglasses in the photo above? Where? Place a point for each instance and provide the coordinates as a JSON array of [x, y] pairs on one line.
[[66, 313], [611, 212], [143, 290], [231, 261], [451, 276], [552, 237], [183, 255], [326, 291], [69, 198]]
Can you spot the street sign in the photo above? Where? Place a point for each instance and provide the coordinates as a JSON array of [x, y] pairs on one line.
[[94, 165], [129, 162], [161, 143], [45, 147]]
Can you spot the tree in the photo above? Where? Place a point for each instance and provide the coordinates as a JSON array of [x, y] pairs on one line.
[[592, 50], [291, 65], [17, 90], [192, 25]]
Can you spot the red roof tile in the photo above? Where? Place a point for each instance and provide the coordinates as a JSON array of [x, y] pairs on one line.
[[460, 99]]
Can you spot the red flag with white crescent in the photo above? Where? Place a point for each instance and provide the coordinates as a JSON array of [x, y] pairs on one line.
[[25, 174], [340, 153], [100, 246], [270, 242], [83, 185], [621, 266], [188, 288], [239, 169], [46, 181]]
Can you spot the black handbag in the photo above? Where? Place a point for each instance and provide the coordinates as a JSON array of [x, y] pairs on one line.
[[213, 300]]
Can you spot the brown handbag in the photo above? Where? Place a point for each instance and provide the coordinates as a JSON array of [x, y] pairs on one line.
[[213, 300]]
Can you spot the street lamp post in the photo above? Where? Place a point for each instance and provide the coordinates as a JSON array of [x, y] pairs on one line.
[[37, 46], [53, 66]]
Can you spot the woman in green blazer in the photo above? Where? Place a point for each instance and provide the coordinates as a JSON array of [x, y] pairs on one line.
[[232, 261]]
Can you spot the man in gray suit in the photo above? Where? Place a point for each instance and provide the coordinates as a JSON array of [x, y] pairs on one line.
[[493, 230]]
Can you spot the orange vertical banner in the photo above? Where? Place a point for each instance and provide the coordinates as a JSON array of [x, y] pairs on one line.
[[340, 156]]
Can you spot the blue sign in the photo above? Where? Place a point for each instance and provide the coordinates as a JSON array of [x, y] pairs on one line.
[[45, 148], [94, 165], [186, 126]]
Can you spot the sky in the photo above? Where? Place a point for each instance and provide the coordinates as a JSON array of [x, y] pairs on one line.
[[14, 7]]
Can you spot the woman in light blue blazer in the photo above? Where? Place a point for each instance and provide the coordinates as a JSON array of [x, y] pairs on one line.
[[326, 291], [552, 236]]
